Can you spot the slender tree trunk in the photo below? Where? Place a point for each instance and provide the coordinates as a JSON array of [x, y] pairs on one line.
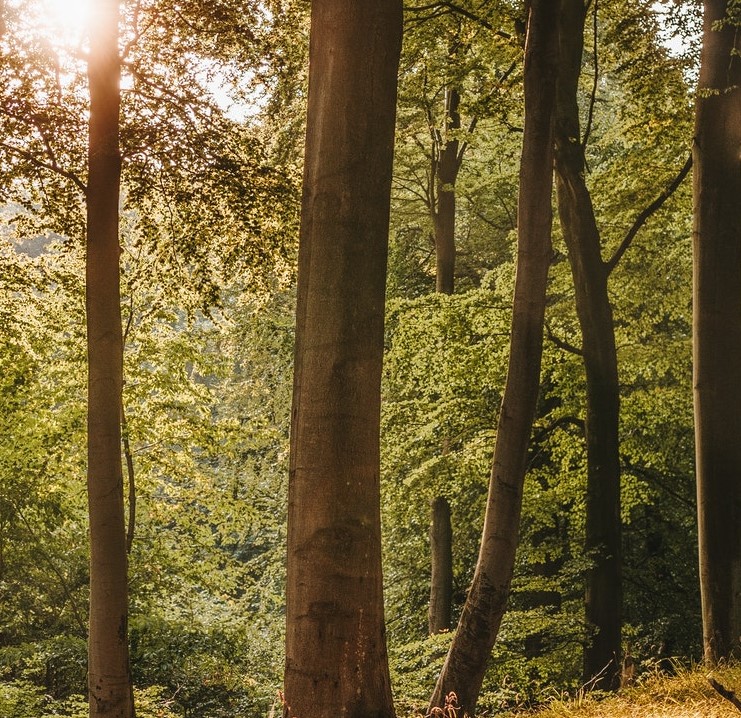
[[441, 582], [108, 653], [336, 660], [717, 330], [447, 166], [603, 600], [447, 163], [477, 630]]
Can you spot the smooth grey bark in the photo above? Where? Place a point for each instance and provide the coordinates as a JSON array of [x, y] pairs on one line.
[[717, 330], [477, 630], [336, 659]]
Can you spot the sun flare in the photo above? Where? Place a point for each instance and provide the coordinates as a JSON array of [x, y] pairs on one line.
[[68, 17]]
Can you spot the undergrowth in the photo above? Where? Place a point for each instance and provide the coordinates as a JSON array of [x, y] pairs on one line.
[[686, 693]]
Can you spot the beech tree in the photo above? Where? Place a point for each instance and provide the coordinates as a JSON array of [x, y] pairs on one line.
[[603, 601], [717, 327], [109, 680], [591, 274], [467, 658], [447, 50], [441, 573], [336, 660]]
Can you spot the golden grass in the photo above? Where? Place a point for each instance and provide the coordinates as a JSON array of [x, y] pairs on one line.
[[687, 694]]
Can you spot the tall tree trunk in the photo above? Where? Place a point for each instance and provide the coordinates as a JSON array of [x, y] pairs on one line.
[[447, 163], [465, 664], [108, 654], [441, 581], [717, 330], [603, 600], [336, 660]]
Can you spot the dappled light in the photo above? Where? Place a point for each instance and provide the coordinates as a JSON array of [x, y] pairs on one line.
[[346, 359]]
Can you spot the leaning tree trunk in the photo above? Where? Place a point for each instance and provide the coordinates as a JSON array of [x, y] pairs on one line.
[[467, 658], [336, 660], [717, 330], [108, 654], [603, 600]]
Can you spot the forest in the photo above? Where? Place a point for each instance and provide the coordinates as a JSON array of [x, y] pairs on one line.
[[366, 359]]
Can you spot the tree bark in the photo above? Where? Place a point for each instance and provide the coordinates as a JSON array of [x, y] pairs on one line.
[[603, 599], [441, 581], [717, 330], [108, 653], [336, 659], [447, 165], [466, 661]]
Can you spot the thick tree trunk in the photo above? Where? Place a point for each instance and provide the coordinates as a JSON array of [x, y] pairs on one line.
[[336, 660], [603, 601], [717, 330], [466, 662], [108, 653], [441, 581]]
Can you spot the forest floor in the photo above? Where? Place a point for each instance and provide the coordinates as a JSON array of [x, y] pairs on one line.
[[688, 694]]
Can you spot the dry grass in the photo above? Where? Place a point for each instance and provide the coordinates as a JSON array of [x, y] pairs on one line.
[[685, 695]]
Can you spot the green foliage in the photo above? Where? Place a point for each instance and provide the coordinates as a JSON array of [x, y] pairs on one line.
[[208, 236], [42, 560], [207, 427], [414, 668], [58, 664], [208, 670], [443, 375], [476, 50], [22, 699]]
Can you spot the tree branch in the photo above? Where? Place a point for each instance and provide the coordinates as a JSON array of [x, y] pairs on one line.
[[725, 692], [561, 343], [593, 97], [50, 166], [464, 144], [646, 214], [131, 521], [562, 421], [437, 8], [60, 577]]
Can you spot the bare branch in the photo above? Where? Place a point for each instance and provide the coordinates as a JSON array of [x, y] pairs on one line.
[[595, 80], [50, 166], [643, 217], [729, 695], [561, 343], [464, 144]]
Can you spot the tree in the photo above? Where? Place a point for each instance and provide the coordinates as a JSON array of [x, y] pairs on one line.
[[717, 327], [448, 54], [467, 658], [109, 678], [336, 661], [602, 544], [603, 524], [441, 574]]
